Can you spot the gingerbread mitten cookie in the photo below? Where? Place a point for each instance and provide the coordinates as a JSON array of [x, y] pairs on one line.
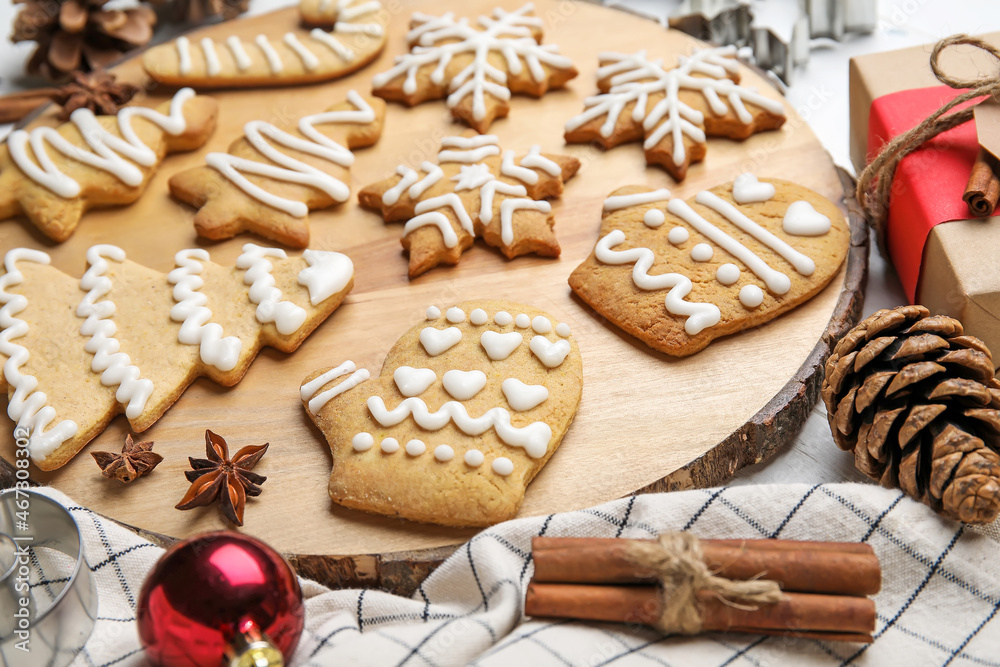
[[476, 67], [126, 338], [271, 178], [346, 35], [469, 406], [677, 274], [476, 189], [54, 175], [673, 110]]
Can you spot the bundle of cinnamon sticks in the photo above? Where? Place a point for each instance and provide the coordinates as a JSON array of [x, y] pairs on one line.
[[823, 586]]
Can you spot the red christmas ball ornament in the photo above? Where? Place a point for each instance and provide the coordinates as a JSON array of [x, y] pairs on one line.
[[220, 598]]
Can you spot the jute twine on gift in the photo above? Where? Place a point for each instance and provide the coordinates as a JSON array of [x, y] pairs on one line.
[[676, 560], [875, 182]]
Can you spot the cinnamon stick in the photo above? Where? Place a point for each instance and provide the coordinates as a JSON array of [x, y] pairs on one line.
[[983, 190], [16, 106], [809, 567], [799, 614]]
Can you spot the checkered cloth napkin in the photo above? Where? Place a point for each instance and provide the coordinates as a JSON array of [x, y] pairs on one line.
[[938, 605]]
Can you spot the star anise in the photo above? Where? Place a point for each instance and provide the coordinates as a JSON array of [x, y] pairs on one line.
[[225, 479], [136, 459], [97, 91]]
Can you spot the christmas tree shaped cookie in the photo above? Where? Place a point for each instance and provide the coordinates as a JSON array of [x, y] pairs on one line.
[[672, 110], [54, 175], [475, 67], [126, 338], [677, 274], [338, 37], [469, 406], [476, 189], [271, 177]]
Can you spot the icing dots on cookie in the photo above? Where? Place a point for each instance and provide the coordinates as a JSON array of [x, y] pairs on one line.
[[549, 353], [541, 324], [562, 329], [389, 445], [455, 315], [474, 458], [751, 296], [362, 442], [702, 252], [727, 274], [523, 397], [432, 313], [463, 385], [499, 346], [444, 453], [801, 219], [415, 447], [653, 218], [503, 318], [413, 381], [522, 321], [747, 189], [439, 341], [479, 317], [503, 466], [678, 235]]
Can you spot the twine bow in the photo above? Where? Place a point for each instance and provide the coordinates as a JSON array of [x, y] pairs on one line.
[[676, 560], [875, 182]]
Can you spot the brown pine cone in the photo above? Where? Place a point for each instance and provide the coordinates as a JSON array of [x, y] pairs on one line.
[[79, 34], [916, 400]]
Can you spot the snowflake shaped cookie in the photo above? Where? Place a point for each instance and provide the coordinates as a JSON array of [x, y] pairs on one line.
[[672, 110], [476, 189], [475, 67]]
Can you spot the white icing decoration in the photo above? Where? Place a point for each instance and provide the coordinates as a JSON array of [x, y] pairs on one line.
[[507, 208], [438, 40], [270, 55], [503, 318], [413, 381], [286, 316], [415, 447], [240, 55], [287, 168], [801, 219], [508, 168], [522, 321], [455, 315], [334, 44], [463, 385], [115, 367], [702, 252], [618, 202], [195, 317], [678, 235], [346, 12], [466, 143], [444, 453], [562, 329], [535, 160], [700, 316], [503, 466], [362, 442], [727, 274], [523, 396], [308, 58], [439, 341], [488, 193], [433, 312], [390, 445], [499, 346], [327, 274], [534, 437], [26, 407], [777, 282], [653, 218], [308, 391], [474, 458], [183, 55], [751, 296], [804, 265], [747, 189], [635, 79], [478, 317], [469, 156], [472, 176], [212, 64], [109, 153], [434, 174], [541, 324], [549, 353]]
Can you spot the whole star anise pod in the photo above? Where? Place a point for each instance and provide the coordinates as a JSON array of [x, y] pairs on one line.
[[97, 91], [225, 479], [136, 459]]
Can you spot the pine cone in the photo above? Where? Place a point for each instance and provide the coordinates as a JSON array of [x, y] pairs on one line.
[[916, 400], [79, 34]]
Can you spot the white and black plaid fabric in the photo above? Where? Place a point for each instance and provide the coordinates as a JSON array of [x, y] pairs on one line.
[[939, 605]]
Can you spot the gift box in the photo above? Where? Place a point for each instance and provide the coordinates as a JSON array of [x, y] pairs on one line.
[[946, 258]]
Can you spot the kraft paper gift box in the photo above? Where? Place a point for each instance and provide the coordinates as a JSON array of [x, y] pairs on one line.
[[946, 259]]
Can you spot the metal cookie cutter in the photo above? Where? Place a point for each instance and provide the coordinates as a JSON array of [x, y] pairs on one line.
[[55, 634]]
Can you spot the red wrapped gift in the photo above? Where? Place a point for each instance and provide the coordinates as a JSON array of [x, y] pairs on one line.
[[945, 257]]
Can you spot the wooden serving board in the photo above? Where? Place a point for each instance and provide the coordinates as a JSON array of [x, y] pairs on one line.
[[646, 422]]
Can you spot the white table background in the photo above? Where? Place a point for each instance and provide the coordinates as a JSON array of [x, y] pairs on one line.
[[820, 94]]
